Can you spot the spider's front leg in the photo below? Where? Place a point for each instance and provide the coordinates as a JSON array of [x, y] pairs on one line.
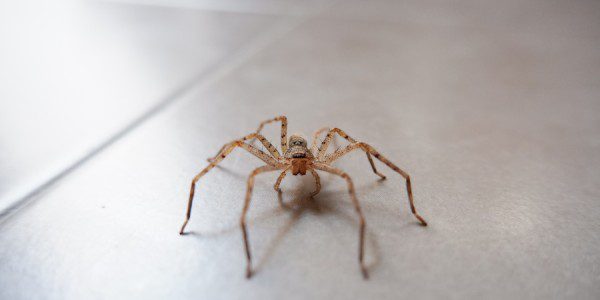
[[361, 243], [329, 137], [223, 153], [256, 171], [370, 150]]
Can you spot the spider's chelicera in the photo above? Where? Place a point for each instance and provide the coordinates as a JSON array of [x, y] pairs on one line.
[[299, 159]]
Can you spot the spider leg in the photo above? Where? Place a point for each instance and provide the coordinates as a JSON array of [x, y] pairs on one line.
[[317, 182], [361, 244], [227, 149], [252, 136], [283, 120], [256, 171], [330, 136], [313, 147], [367, 148], [278, 190], [280, 178]]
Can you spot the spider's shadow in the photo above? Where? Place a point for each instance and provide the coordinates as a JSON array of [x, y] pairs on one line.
[[325, 203]]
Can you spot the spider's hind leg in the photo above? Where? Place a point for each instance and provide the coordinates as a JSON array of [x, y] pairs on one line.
[[370, 150], [283, 120]]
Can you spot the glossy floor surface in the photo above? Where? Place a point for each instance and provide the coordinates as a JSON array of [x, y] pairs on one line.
[[112, 107]]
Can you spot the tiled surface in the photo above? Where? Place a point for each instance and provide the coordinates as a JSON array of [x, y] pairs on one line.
[[76, 74], [492, 108], [274, 7]]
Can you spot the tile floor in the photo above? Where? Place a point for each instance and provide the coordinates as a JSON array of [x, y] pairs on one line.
[[109, 108]]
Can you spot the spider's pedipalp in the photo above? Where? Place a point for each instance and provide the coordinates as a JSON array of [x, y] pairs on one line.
[[282, 176]]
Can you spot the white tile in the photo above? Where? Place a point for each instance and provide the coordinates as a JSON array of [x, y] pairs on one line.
[[498, 129], [75, 74], [278, 7]]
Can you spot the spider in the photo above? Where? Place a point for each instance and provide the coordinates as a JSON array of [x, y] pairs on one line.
[[298, 159]]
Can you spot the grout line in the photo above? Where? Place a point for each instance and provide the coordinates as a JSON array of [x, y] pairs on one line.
[[198, 83], [284, 9], [287, 25]]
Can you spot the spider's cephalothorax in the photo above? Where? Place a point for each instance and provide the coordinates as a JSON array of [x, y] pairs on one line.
[[299, 159], [297, 148]]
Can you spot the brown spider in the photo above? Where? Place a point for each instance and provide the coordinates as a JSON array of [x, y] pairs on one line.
[[298, 159]]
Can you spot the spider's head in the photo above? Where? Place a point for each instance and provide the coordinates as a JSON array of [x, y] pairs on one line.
[[297, 148]]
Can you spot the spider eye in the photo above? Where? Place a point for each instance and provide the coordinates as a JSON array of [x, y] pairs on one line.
[[297, 141]]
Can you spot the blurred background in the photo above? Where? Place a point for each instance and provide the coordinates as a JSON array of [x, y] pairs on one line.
[[109, 108]]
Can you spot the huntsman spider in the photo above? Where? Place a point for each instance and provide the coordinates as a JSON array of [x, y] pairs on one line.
[[299, 159]]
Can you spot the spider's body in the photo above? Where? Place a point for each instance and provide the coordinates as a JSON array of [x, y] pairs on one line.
[[298, 155], [299, 159]]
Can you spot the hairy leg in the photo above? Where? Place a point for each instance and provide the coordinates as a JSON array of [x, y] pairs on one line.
[[283, 120], [252, 136], [361, 244], [313, 147], [367, 148], [245, 211], [317, 182], [330, 136], [227, 149], [278, 183]]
